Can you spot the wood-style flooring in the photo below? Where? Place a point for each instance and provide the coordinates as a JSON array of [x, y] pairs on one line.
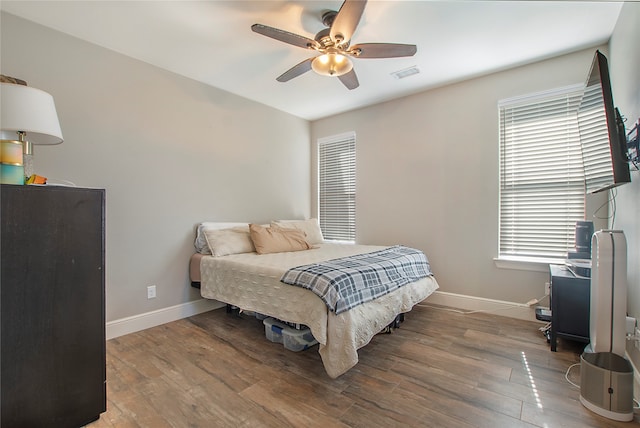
[[439, 369]]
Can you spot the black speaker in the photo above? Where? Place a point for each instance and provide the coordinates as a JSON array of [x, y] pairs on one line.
[[584, 232]]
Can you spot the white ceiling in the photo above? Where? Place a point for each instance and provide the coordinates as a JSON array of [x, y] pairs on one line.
[[212, 42]]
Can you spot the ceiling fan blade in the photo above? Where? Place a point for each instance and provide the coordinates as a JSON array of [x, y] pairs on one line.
[[382, 50], [285, 36], [296, 70], [346, 21], [350, 80]]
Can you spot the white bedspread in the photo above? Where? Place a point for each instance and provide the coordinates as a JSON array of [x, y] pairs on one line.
[[252, 282]]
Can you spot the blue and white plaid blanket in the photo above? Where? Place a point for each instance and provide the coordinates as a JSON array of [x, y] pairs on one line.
[[347, 282]]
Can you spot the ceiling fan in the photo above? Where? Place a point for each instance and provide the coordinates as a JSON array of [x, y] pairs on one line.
[[333, 43]]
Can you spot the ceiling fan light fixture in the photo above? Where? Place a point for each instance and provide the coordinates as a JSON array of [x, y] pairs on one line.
[[332, 64]]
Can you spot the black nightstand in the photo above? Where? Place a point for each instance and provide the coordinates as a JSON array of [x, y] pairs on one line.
[[570, 305]]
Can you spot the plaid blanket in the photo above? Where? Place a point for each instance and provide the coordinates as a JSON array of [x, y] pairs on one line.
[[347, 282]]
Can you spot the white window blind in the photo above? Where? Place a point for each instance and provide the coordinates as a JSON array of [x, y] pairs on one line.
[[337, 187], [542, 186]]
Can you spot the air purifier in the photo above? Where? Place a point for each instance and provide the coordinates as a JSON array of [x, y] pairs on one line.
[[606, 377]]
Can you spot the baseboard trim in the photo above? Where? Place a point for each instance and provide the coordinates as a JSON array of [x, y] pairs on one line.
[[491, 306], [146, 320]]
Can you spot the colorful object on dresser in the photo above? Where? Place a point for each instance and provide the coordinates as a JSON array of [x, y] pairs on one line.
[[11, 167], [36, 179]]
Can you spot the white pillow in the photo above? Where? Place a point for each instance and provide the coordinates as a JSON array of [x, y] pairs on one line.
[[310, 227], [201, 244], [229, 241]]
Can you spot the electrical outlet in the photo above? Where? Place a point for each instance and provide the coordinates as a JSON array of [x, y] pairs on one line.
[[151, 292], [547, 288]]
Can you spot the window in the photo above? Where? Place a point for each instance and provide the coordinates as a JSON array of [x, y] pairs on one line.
[[542, 187], [337, 187]]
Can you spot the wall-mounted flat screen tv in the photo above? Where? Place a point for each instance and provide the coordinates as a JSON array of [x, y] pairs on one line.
[[602, 134]]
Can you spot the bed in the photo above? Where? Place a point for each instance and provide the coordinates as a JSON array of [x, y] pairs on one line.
[[252, 281]]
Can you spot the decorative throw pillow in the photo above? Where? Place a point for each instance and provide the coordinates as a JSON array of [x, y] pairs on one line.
[[277, 240], [310, 227], [223, 242]]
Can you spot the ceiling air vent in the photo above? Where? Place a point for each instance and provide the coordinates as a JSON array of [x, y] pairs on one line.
[[401, 74]]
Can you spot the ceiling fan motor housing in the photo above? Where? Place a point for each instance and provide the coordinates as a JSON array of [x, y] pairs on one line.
[[328, 17]]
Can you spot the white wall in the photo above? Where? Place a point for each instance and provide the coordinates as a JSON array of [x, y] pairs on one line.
[[624, 65], [427, 174], [172, 152], [169, 151]]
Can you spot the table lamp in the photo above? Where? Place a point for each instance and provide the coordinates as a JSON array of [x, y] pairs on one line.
[[27, 116]]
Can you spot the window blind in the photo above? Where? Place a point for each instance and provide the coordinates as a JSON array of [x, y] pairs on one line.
[[542, 186], [337, 187]]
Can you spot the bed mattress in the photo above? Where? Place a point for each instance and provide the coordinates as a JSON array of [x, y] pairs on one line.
[[252, 282]]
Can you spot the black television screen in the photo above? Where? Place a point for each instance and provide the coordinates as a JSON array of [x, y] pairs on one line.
[[602, 135]]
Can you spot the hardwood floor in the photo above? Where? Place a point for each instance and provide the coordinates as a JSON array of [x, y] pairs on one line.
[[439, 369]]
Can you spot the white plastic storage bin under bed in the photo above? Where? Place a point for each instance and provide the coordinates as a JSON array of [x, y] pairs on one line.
[[292, 339]]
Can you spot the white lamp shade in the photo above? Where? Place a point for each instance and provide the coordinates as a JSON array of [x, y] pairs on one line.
[[31, 111]]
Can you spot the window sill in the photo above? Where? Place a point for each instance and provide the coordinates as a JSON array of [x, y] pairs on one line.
[[524, 263], [338, 241]]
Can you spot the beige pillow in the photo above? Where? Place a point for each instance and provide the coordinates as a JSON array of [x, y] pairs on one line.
[[223, 242], [310, 227], [276, 240]]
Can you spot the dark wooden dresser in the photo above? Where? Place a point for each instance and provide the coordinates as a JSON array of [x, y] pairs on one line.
[[52, 279]]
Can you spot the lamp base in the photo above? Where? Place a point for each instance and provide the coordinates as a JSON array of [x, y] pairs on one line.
[[27, 159]]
